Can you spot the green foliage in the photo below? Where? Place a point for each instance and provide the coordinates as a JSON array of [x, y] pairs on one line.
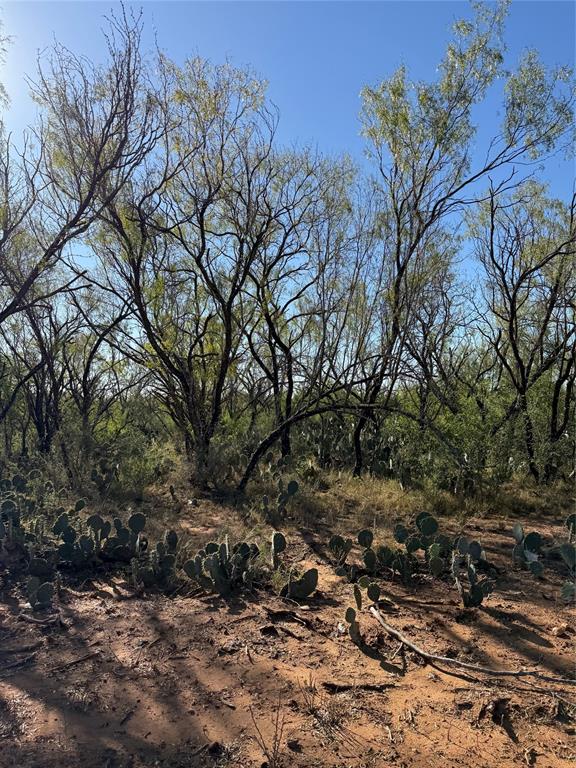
[[441, 555], [86, 542], [103, 475], [378, 559], [19, 499], [424, 537]]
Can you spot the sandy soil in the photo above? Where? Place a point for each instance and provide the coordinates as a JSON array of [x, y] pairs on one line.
[[120, 681]]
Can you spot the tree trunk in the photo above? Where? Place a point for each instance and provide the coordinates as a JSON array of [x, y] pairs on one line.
[[201, 455], [357, 441], [529, 438], [285, 445], [324, 449], [189, 447]]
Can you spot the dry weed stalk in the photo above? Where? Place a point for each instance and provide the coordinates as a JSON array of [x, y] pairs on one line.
[[273, 751]]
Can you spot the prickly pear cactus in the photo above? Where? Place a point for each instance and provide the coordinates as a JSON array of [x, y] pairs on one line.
[[370, 560], [277, 545], [353, 626], [137, 522], [571, 525], [39, 594], [373, 592], [171, 541], [365, 538], [527, 550], [302, 588], [426, 524], [477, 590], [568, 592], [400, 533], [340, 549], [568, 554]]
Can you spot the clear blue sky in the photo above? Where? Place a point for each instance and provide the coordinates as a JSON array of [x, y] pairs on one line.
[[315, 55]]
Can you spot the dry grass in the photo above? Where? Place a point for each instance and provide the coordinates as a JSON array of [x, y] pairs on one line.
[[328, 714], [372, 502], [367, 502], [335, 501]]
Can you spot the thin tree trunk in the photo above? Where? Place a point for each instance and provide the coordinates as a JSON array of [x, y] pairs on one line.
[[529, 438]]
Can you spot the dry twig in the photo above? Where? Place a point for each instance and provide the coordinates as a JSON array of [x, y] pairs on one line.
[[439, 660]]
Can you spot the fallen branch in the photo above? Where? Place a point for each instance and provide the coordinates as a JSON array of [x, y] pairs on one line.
[[22, 649], [341, 687], [127, 716], [42, 622], [75, 661], [284, 615], [437, 660], [18, 663]]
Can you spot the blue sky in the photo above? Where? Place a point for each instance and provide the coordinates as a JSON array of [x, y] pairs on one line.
[[315, 55]]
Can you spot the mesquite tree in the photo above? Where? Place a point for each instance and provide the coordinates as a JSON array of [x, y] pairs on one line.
[[422, 136], [183, 243], [95, 127], [526, 245]]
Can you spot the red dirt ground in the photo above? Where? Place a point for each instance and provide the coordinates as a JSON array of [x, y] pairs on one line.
[[123, 681]]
